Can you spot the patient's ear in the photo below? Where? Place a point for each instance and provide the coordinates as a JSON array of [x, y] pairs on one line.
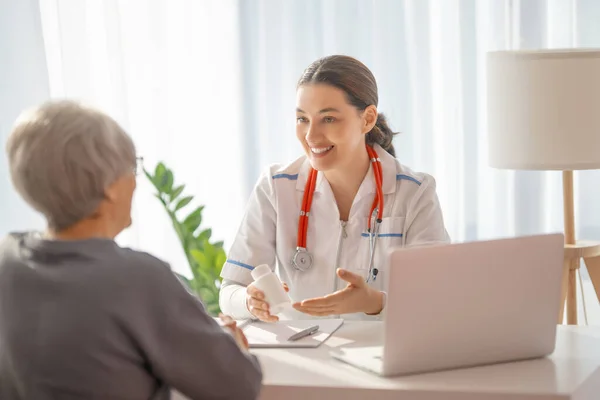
[[109, 198], [111, 194]]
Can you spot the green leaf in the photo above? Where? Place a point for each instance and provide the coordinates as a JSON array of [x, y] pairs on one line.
[[193, 221], [204, 277], [176, 192], [166, 182], [170, 180], [193, 244], [183, 202], [208, 295], [200, 258], [160, 170], [204, 236], [159, 173], [209, 250], [202, 268], [196, 286], [220, 260]]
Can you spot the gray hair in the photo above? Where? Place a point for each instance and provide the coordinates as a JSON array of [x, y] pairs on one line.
[[63, 156]]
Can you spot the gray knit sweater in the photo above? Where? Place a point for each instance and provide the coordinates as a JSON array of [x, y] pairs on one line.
[[91, 320]]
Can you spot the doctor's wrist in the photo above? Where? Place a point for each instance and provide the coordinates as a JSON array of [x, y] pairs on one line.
[[376, 304]]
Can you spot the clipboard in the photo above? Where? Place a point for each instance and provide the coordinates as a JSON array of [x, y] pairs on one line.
[[276, 334]]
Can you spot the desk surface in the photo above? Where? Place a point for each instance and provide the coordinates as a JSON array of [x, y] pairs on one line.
[[571, 372]]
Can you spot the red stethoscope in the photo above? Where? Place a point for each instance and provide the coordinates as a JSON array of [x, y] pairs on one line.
[[302, 259]]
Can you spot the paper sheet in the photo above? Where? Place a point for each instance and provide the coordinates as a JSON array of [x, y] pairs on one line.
[[275, 335]]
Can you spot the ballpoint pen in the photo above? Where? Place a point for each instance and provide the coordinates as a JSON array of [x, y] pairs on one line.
[[304, 333], [245, 322]]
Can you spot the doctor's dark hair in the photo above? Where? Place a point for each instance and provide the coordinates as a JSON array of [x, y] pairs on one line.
[[357, 81]]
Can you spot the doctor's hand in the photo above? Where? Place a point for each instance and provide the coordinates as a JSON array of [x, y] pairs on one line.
[[256, 304], [357, 296]]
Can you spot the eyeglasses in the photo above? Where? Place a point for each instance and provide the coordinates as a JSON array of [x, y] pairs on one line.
[[139, 165]]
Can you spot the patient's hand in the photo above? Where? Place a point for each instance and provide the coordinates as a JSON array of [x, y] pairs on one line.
[[238, 334], [357, 296]]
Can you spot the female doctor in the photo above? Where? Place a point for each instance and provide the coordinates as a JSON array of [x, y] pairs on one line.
[[325, 222]]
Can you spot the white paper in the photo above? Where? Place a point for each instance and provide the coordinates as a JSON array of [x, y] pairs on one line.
[[276, 334]]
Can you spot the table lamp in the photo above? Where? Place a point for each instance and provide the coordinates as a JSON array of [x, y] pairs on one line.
[[544, 114]]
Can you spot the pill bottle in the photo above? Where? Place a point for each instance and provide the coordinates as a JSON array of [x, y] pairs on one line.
[[275, 295]]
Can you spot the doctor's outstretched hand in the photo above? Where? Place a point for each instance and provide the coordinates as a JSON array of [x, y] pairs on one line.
[[357, 296]]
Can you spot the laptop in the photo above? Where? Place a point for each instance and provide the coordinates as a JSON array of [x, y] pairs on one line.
[[467, 304]]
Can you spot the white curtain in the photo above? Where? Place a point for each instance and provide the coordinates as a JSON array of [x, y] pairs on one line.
[[23, 82], [170, 73], [208, 86]]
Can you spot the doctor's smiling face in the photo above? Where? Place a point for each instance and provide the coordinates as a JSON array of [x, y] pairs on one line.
[[336, 114], [331, 130]]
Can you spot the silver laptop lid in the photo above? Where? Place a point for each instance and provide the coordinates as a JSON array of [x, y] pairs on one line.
[[472, 303]]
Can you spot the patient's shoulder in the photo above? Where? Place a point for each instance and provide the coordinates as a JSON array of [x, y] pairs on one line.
[[141, 264]]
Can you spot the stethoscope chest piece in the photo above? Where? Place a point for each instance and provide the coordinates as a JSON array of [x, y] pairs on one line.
[[302, 259]]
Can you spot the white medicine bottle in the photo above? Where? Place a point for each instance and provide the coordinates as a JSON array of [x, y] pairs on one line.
[[275, 295]]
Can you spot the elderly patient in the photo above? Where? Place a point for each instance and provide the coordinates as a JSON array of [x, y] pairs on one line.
[[81, 317]]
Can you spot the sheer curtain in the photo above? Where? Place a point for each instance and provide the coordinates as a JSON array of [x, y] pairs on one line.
[[169, 72], [23, 82], [209, 87]]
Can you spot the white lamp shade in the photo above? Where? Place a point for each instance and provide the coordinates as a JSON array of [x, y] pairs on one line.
[[544, 109]]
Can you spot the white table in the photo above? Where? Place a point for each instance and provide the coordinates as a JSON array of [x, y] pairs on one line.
[[571, 372]]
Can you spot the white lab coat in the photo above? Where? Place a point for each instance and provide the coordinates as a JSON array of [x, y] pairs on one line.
[[268, 232]]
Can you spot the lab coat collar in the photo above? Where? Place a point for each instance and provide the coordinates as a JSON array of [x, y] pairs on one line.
[[303, 177], [388, 165]]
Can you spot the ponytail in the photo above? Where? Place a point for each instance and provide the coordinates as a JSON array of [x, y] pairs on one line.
[[382, 135]]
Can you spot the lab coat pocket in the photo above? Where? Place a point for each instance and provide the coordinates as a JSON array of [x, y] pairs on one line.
[[391, 235]]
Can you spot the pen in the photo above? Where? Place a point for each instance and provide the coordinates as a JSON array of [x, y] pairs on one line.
[[304, 333], [245, 322]]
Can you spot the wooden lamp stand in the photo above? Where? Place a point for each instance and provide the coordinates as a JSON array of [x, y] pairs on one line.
[[542, 115], [574, 252]]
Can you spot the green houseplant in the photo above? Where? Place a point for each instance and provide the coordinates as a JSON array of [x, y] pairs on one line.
[[205, 258]]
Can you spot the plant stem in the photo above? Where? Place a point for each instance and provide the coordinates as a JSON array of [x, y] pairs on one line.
[[180, 231]]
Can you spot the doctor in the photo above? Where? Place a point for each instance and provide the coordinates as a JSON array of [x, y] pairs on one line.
[[325, 222]]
